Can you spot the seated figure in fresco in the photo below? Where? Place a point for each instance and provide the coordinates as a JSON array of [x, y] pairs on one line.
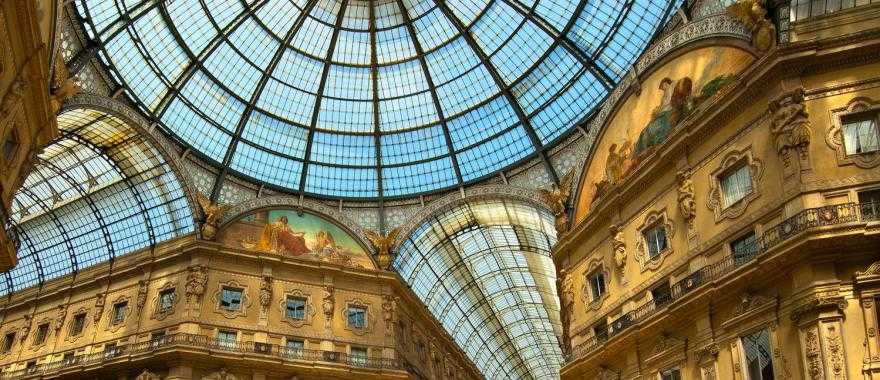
[[674, 106], [324, 240], [278, 237]]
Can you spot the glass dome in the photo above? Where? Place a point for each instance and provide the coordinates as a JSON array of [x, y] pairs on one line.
[[366, 99]]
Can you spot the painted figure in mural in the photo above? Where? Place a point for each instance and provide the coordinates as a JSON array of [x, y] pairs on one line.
[[678, 101], [278, 237], [324, 240]]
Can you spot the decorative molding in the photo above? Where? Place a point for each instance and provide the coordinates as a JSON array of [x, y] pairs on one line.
[[111, 314], [753, 310], [730, 161], [820, 301], [196, 283], [813, 354], [369, 320], [308, 314], [328, 302], [652, 219], [834, 137], [593, 266], [221, 374], [157, 313], [791, 130], [245, 300], [147, 375], [834, 352], [668, 351], [71, 337]]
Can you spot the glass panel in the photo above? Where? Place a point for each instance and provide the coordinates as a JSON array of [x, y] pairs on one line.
[[861, 136], [736, 185], [757, 355]]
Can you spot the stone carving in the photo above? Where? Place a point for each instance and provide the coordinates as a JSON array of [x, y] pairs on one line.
[[142, 294], [12, 97], [814, 363], [708, 352], [709, 372], [147, 375], [26, 326], [618, 247], [221, 374], [816, 302], [873, 269], [196, 282], [63, 86], [61, 314], [383, 245], [328, 303], [557, 198], [213, 214], [753, 15], [266, 292], [790, 126], [99, 307], [389, 305], [835, 352], [606, 373], [686, 203], [566, 297], [748, 303]]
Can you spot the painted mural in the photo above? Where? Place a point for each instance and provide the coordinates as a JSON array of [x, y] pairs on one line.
[[291, 234], [644, 121]]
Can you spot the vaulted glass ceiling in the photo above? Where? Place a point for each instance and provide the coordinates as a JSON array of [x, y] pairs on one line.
[[484, 270], [99, 191], [370, 98]]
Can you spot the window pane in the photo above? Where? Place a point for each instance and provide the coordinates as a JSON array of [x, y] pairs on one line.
[[861, 136], [757, 355], [736, 185]]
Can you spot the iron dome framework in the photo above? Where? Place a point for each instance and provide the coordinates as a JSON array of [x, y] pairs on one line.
[[99, 191], [484, 269], [370, 98]]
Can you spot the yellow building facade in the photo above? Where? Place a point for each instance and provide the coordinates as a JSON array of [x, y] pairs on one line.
[[725, 223]]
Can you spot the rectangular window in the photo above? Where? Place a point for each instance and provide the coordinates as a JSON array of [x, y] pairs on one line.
[[42, 332], [744, 248], [294, 348], [8, 341], [78, 324], [296, 308], [757, 356], [230, 299], [68, 359], [655, 239], [661, 294], [119, 311], [110, 351], [226, 339], [157, 338], [735, 185], [860, 134], [597, 285], [670, 374], [358, 356], [166, 301], [357, 317], [600, 330], [869, 202]]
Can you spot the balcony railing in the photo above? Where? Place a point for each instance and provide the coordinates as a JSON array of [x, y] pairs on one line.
[[207, 343], [802, 221]]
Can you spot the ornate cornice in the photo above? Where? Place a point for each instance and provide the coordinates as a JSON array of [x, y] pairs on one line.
[[817, 302]]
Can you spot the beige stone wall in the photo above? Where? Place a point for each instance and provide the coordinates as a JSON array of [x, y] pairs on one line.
[[179, 265], [811, 288]]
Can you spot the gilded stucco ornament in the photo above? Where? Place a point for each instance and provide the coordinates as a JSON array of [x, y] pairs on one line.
[[618, 246], [557, 197], [790, 126], [213, 215], [383, 245], [196, 282], [686, 204], [753, 15]]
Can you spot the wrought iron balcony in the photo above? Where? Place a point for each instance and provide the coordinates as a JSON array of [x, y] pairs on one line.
[[192, 341], [800, 222]]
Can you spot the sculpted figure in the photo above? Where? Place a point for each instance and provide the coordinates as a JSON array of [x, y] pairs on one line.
[[686, 203], [618, 246], [383, 244], [196, 282], [557, 197]]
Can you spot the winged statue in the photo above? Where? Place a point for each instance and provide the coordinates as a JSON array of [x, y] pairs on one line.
[[753, 15], [213, 213], [557, 197], [383, 244]]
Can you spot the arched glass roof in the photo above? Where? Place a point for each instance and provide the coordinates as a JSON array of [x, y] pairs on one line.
[[97, 192], [484, 270], [370, 98]]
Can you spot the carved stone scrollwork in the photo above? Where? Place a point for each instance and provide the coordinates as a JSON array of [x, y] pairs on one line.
[[834, 349], [790, 127], [147, 375], [142, 294], [389, 308], [813, 355], [265, 294], [834, 137], [817, 302], [26, 327], [618, 247], [686, 203], [196, 283], [566, 297]]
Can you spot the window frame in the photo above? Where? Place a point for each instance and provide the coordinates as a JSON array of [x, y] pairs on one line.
[[664, 372], [746, 255], [657, 226], [9, 341], [742, 351], [118, 307], [740, 166], [348, 315], [287, 309], [231, 290], [597, 294], [170, 293], [860, 117], [42, 334], [77, 324]]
